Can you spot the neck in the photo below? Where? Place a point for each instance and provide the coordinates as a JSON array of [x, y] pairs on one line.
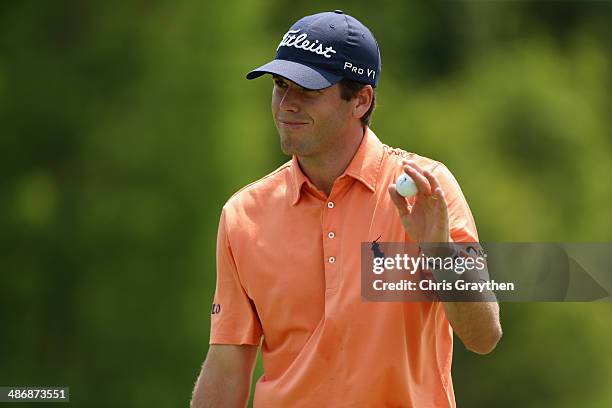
[[323, 169]]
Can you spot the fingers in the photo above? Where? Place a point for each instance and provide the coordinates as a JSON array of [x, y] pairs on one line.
[[421, 181], [425, 181], [439, 196], [433, 181], [400, 202]]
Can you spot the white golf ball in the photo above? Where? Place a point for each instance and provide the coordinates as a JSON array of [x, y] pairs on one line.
[[405, 185]]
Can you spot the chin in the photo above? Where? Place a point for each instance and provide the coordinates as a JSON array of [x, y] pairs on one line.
[[290, 146]]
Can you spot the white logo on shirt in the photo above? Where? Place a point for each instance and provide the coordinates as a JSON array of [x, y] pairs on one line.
[[300, 41]]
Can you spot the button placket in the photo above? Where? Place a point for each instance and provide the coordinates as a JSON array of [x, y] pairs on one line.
[[330, 246]]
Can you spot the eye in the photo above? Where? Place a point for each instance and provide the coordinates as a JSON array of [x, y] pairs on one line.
[[279, 82], [311, 91]]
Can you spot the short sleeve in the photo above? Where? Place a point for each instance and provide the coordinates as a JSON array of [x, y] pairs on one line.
[[462, 226], [234, 319]]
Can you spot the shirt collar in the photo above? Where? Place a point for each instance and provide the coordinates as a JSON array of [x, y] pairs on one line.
[[363, 167]]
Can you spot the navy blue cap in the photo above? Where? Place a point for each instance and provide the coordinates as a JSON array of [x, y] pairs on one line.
[[319, 50]]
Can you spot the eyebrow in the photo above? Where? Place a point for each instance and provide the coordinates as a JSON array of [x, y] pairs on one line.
[[278, 77]]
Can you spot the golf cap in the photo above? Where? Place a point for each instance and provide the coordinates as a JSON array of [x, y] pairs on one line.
[[321, 49]]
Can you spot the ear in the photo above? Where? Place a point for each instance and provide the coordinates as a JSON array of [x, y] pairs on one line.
[[362, 101]]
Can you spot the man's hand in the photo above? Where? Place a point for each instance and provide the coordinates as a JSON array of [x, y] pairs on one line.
[[427, 220]]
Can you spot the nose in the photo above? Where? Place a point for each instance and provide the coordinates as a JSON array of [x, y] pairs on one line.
[[290, 100]]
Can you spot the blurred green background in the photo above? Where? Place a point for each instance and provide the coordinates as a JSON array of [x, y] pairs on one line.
[[125, 126]]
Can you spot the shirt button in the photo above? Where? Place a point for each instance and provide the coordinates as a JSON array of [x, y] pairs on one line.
[[330, 204], [331, 235], [332, 259]]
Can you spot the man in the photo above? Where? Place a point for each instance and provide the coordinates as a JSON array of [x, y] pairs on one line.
[[288, 249]]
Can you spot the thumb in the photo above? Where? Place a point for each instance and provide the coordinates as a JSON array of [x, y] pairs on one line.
[[400, 202]]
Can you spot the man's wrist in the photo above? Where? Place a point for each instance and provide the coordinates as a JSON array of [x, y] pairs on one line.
[[439, 249]]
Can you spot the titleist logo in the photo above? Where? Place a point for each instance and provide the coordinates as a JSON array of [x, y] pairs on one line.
[[300, 41]]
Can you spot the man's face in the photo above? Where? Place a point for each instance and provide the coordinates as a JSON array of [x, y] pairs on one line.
[[309, 122]]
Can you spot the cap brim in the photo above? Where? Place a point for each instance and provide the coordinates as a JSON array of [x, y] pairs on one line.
[[303, 75]]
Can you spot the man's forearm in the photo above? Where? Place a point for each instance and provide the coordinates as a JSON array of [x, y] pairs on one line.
[[476, 324], [225, 378], [216, 391]]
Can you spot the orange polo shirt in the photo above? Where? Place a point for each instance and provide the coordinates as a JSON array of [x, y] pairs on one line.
[[288, 269]]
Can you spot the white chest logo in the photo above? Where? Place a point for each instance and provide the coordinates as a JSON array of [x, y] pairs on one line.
[[301, 42]]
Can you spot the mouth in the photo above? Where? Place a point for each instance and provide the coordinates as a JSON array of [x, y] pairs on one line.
[[291, 124]]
